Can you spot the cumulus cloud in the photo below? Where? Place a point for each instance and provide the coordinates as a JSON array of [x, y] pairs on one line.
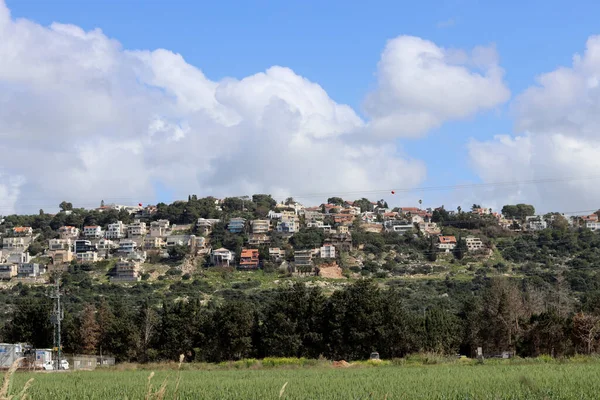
[[560, 118], [82, 119], [421, 86]]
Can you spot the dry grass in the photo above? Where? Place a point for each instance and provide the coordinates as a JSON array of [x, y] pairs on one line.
[[7, 380], [161, 392]]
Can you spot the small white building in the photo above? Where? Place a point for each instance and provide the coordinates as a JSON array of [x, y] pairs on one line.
[[446, 243], [221, 256], [68, 232], [127, 246], [327, 251], [594, 226], [87, 256], [474, 244], [536, 223], [159, 228]]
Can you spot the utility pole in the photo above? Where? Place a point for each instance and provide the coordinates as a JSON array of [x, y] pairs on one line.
[[56, 318]]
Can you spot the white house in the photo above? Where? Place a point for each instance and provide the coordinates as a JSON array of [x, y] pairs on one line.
[[68, 232], [536, 223], [594, 226], [446, 243], [92, 232], [327, 251], [221, 256], [115, 231], [136, 229], [127, 246]]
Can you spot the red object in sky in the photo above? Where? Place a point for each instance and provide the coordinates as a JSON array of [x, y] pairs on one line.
[[393, 192], [140, 204]]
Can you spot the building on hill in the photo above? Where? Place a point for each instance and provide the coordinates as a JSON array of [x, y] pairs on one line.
[[276, 254], [222, 257], [535, 223], [136, 229], [303, 258], [372, 227], [8, 271], [341, 241], [290, 226], [594, 226], [343, 219], [446, 243], [15, 244], [115, 231], [17, 257], [257, 239], [60, 250], [30, 270], [327, 251], [205, 225], [260, 226], [154, 243], [249, 259], [87, 256], [82, 246], [590, 218], [126, 270], [127, 246], [236, 225], [342, 229], [474, 243], [68, 232], [313, 216], [159, 228], [398, 226], [22, 231], [92, 232]]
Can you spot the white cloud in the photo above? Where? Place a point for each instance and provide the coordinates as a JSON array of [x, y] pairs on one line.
[[421, 86], [561, 119], [82, 119]]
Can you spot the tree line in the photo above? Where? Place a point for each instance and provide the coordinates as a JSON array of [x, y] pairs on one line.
[[301, 321]]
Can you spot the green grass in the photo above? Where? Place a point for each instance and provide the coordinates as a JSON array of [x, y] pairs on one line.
[[529, 380]]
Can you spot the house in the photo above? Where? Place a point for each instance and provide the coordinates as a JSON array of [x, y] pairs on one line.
[[446, 243], [341, 241], [88, 256], [535, 223], [327, 251], [303, 258], [7, 271], [127, 246], [68, 232], [106, 245], [16, 258], [343, 219], [398, 226], [30, 270], [276, 254], [83, 246], [159, 228], [205, 225], [429, 229], [15, 243], [136, 229], [221, 257], [115, 231], [481, 211], [260, 226], [92, 232], [474, 244], [236, 225], [312, 216], [590, 218], [292, 226], [60, 250], [249, 259], [126, 270], [257, 239], [315, 224], [22, 231], [342, 229], [151, 243], [594, 226]]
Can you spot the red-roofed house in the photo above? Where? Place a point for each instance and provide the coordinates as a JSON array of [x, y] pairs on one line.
[[22, 231], [446, 243]]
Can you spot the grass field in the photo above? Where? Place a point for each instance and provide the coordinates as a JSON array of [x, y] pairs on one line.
[[500, 381]]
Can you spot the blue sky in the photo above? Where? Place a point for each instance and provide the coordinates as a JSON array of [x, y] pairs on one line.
[[338, 44]]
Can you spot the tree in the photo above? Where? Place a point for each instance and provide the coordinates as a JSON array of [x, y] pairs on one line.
[[178, 252], [30, 322], [364, 204], [65, 206], [338, 201], [101, 203], [89, 330], [519, 211], [459, 209], [432, 251], [585, 330], [475, 207], [460, 249], [289, 201]]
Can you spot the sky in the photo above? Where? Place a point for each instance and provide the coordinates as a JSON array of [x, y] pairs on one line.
[[151, 100]]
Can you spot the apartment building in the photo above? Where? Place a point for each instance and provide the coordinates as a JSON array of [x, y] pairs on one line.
[[126, 270], [474, 244], [136, 229], [30, 270], [260, 226], [303, 258], [116, 230], [249, 259], [92, 232], [68, 232], [160, 228], [12, 244], [327, 251], [236, 225], [8, 271]]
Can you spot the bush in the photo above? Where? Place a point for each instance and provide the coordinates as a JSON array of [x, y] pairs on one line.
[[186, 277], [174, 272]]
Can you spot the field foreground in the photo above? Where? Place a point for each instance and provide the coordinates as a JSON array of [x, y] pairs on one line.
[[533, 381]]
